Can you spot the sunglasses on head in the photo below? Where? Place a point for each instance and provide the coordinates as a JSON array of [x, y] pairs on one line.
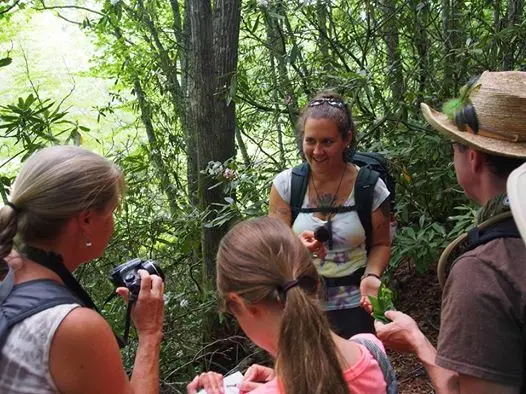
[[332, 102]]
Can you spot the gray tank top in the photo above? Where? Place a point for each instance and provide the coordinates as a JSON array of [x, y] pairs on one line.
[[24, 366]]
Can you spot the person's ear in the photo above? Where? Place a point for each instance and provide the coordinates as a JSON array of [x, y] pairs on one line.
[[476, 160], [238, 305], [348, 138], [84, 220]]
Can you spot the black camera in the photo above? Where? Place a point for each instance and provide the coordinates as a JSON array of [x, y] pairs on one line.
[[127, 275]]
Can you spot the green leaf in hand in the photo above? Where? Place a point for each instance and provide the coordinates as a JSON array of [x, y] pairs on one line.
[[382, 303]]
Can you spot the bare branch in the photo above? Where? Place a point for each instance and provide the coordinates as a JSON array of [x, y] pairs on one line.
[[5, 11]]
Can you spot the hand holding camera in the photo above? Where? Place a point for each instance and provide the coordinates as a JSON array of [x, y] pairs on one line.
[[141, 284]]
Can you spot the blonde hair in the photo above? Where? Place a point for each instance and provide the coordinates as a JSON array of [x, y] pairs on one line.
[[53, 185], [256, 258]]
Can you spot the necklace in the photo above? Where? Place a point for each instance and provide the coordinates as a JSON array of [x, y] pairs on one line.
[[324, 233], [323, 200]]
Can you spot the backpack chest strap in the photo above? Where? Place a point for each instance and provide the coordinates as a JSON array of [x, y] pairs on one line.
[[337, 209]]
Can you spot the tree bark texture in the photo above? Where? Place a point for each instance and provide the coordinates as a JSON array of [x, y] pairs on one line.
[[277, 50], [394, 60], [214, 42], [515, 12]]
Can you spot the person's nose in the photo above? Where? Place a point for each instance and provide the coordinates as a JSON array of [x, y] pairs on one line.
[[317, 149]]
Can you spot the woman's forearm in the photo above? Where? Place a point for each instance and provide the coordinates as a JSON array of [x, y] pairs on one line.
[[145, 376], [378, 259]]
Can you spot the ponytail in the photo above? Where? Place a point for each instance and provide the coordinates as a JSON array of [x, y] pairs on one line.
[[307, 359], [8, 229]]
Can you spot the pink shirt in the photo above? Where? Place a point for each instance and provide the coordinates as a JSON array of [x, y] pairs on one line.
[[363, 377]]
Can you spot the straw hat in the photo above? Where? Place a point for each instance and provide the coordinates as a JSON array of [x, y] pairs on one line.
[[516, 186], [497, 101]]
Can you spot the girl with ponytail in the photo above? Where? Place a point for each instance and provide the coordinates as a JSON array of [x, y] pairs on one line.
[[268, 282]]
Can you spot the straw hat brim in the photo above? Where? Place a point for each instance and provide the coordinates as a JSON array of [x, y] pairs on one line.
[[441, 122], [516, 187]]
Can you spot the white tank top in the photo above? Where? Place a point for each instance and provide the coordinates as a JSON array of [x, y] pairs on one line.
[[24, 366]]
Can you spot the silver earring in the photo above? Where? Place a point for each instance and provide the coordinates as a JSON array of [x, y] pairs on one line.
[[88, 244]]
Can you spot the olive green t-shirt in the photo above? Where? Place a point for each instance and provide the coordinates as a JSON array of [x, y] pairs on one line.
[[482, 329]]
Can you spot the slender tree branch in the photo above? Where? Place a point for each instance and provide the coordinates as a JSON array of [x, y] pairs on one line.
[[9, 8]]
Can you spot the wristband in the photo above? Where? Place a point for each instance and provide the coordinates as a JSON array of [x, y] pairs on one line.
[[370, 274]]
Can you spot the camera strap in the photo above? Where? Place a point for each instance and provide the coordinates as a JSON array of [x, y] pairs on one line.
[[132, 297], [55, 263]]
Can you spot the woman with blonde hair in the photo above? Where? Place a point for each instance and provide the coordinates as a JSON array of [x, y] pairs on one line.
[[61, 213], [268, 282]]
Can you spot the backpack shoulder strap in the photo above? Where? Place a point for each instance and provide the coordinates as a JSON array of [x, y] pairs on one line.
[[504, 229], [298, 187], [499, 226], [30, 298], [363, 198], [383, 362]]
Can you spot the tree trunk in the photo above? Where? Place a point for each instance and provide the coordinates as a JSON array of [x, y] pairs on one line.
[[514, 17], [214, 42], [277, 50], [394, 62], [155, 154], [447, 79], [183, 42], [455, 61], [421, 42]]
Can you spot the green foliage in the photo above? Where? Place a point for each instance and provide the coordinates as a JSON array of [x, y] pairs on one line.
[[34, 123], [382, 303], [385, 64], [6, 61]]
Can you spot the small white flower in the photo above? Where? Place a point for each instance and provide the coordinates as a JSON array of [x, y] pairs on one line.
[[184, 303], [363, 15]]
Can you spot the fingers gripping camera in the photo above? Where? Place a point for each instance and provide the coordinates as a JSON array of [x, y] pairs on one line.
[[127, 274]]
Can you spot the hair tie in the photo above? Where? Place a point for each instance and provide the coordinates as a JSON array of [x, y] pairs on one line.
[[13, 206], [289, 285], [307, 283]]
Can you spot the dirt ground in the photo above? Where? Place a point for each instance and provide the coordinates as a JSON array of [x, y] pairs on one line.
[[419, 296]]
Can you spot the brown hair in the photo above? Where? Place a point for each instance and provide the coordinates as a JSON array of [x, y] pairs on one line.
[[53, 185], [341, 116], [255, 259], [501, 166]]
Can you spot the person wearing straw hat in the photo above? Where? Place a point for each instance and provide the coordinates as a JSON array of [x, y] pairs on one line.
[[482, 338]]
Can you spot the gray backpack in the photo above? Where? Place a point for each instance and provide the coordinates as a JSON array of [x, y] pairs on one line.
[[383, 362], [29, 298]]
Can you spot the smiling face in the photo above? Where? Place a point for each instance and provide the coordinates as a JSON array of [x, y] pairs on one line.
[[323, 145]]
